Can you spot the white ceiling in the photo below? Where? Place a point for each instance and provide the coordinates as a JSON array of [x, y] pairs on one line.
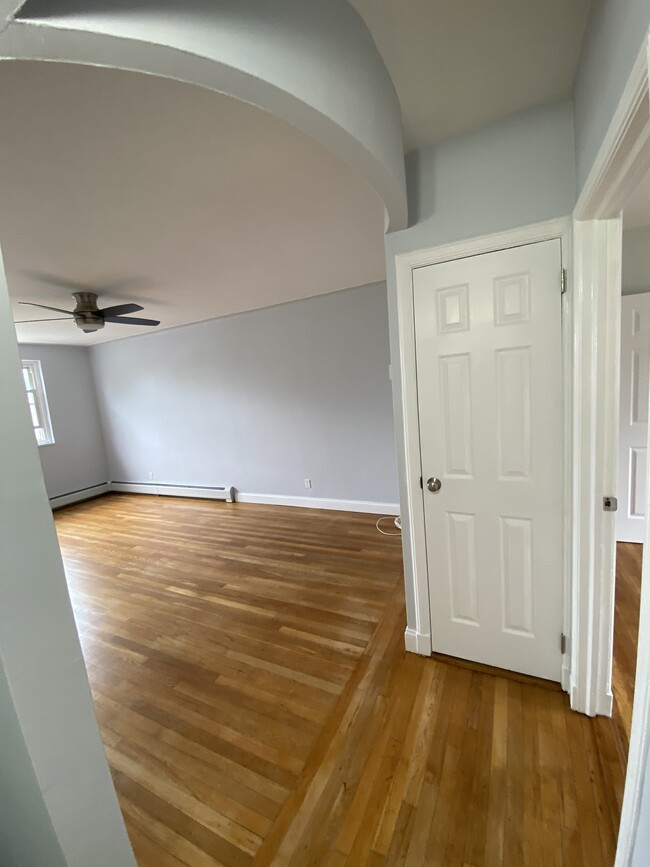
[[637, 210], [188, 202], [460, 64]]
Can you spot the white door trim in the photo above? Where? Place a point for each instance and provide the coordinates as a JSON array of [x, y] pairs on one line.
[[623, 159], [596, 306], [418, 635]]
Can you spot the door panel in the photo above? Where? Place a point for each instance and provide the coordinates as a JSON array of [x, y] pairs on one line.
[[635, 384], [488, 345]]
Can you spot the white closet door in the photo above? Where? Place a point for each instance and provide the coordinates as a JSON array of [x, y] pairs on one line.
[[489, 368], [632, 450]]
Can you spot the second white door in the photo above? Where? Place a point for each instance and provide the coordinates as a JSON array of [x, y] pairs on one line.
[[489, 369], [633, 434]]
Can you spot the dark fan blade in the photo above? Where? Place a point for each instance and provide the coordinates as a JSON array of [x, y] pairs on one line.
[[131, 320], [45, 307], [56, 319], [120, 310]]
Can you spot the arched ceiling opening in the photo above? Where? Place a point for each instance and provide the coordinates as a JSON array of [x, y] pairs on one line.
[[314, 65], [187, 201]]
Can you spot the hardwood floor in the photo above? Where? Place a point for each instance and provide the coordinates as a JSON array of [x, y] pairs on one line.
[[629, 558], [257, 705]]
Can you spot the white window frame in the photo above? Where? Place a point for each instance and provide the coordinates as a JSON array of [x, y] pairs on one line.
[[40, 405]]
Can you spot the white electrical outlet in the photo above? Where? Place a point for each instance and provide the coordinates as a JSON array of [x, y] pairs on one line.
[[152, 478], [308, 483]]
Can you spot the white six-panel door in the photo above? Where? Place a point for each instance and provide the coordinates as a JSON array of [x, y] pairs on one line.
[[488, 344], [632, 449]]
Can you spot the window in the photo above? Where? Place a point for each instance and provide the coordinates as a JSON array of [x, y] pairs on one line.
[[37, 399]]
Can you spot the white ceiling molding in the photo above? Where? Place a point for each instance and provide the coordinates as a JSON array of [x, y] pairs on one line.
[[313, 65]]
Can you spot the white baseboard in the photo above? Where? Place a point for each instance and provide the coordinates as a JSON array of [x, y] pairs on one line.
[[217, 493], [368, 506], [566, 677], [602, 705], [417, 642], [605, 706], [78, 496]]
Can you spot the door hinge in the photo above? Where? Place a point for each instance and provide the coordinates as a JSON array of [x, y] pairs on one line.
[[421, 485], [610, 504], [562, 644], [563, 280]]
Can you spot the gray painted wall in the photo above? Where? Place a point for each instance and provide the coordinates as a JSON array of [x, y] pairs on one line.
[[56, 767], [613, 39], [636, 260], [508, 174], [261, 401], [516, 172], [77, 459], [26, 831]]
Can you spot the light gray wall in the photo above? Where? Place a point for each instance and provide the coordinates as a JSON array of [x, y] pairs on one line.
[[77, 459], [26, 832], [636, 260], [56, 767], [613, 39], [261, 401], [516, 172], [508, 174]]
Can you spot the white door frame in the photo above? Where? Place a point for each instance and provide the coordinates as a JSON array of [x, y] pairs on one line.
[[622, 161], [418, 636]]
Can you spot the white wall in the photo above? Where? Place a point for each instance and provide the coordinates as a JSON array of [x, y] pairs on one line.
[[55, 766], [510, 174], [636, 260], [77, 458], [261, 400], [614, 36]]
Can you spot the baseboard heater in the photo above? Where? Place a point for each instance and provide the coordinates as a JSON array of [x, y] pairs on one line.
[[226, 492], [79, 495]]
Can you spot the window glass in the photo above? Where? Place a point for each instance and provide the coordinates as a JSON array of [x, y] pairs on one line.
[[37, 402]]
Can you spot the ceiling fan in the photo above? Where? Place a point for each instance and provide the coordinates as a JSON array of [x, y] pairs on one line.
[[89, 317]]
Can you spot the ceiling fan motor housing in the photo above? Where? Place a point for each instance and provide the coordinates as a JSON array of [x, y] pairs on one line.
[[86, 313], [88, 321]]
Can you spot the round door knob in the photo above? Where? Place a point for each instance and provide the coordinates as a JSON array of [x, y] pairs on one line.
[[434, 484]]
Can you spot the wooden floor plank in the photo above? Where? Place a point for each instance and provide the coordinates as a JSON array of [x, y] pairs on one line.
[[629, 561], [258, 708]]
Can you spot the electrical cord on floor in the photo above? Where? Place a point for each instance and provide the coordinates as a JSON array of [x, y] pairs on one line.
[[397, 521]]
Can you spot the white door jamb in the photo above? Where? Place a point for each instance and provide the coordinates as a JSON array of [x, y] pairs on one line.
[[622, 161], [596, 341]]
